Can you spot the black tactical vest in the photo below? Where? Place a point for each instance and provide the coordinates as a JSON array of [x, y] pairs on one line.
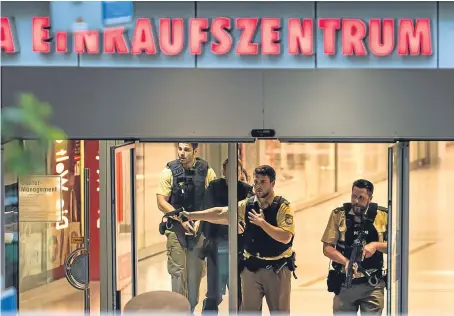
[[371, 235], [256, 241], [188, 185]]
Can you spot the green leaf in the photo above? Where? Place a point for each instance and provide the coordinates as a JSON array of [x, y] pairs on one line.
[[32, 115], [44, 110], [55, 134]]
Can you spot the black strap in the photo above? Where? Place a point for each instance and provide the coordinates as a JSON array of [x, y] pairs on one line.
[[250, 192], [176, 168], [202, 166], [372, 212], [277, 201], [250, 204]]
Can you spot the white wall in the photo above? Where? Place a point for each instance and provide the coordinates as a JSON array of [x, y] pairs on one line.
[[206, 104], [414, 104]]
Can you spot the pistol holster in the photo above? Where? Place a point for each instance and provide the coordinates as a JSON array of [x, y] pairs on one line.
[[334, 281]]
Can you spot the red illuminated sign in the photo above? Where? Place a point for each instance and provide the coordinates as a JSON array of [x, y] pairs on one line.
[[8, 36], [379, 37]]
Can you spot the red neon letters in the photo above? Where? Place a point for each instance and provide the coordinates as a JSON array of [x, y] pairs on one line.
[[242, 36]]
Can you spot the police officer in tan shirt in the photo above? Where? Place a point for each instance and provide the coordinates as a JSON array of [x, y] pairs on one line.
[[268, 237], [366, 292], [182, 184]]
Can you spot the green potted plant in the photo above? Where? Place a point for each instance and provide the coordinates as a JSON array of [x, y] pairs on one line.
[[31, 116]]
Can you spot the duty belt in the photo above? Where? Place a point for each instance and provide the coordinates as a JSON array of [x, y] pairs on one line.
[[376, 276], [253, 264]]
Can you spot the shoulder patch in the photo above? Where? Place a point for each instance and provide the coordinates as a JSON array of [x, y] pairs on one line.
[[288, 218]]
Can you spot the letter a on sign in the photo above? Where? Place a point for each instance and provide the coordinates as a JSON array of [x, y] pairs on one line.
[[9, 43]]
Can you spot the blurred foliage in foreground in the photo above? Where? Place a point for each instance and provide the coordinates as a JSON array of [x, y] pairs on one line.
[[30, 115]]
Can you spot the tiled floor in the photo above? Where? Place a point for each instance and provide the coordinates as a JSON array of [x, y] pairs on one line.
[[431, 288]]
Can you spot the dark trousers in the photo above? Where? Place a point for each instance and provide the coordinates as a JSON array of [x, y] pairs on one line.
[[218, 277]]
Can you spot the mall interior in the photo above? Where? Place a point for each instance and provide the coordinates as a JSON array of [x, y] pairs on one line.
[[314, 177]]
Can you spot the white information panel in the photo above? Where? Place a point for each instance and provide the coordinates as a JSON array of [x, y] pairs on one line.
[[40, 199]]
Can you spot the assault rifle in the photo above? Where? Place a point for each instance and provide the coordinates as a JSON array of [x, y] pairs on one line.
[[355, 260]]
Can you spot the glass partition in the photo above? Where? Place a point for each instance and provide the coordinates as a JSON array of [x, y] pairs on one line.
[[431, 275], [36, 251], [317, 178], [310, 167], [159, 265], [44, 247]]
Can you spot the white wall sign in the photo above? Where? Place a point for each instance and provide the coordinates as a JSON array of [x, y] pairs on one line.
[[40, 199]]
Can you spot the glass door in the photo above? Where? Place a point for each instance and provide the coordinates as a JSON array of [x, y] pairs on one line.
[[124, 249], [398, 251], [232, 175]]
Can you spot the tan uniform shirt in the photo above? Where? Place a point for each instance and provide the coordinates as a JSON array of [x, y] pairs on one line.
[[337, 227]]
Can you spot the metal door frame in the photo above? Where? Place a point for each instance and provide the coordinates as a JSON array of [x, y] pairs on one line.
[[113, 241], [233, 227]]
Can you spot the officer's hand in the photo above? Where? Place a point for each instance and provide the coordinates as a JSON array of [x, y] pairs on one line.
[[196, 226], [354, 269], [183, 215], [369, 250], [188, 227], [256, 218]]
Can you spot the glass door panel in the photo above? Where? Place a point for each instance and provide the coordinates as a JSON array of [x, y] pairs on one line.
[[397, 287], [44, 248], [123, 223]]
